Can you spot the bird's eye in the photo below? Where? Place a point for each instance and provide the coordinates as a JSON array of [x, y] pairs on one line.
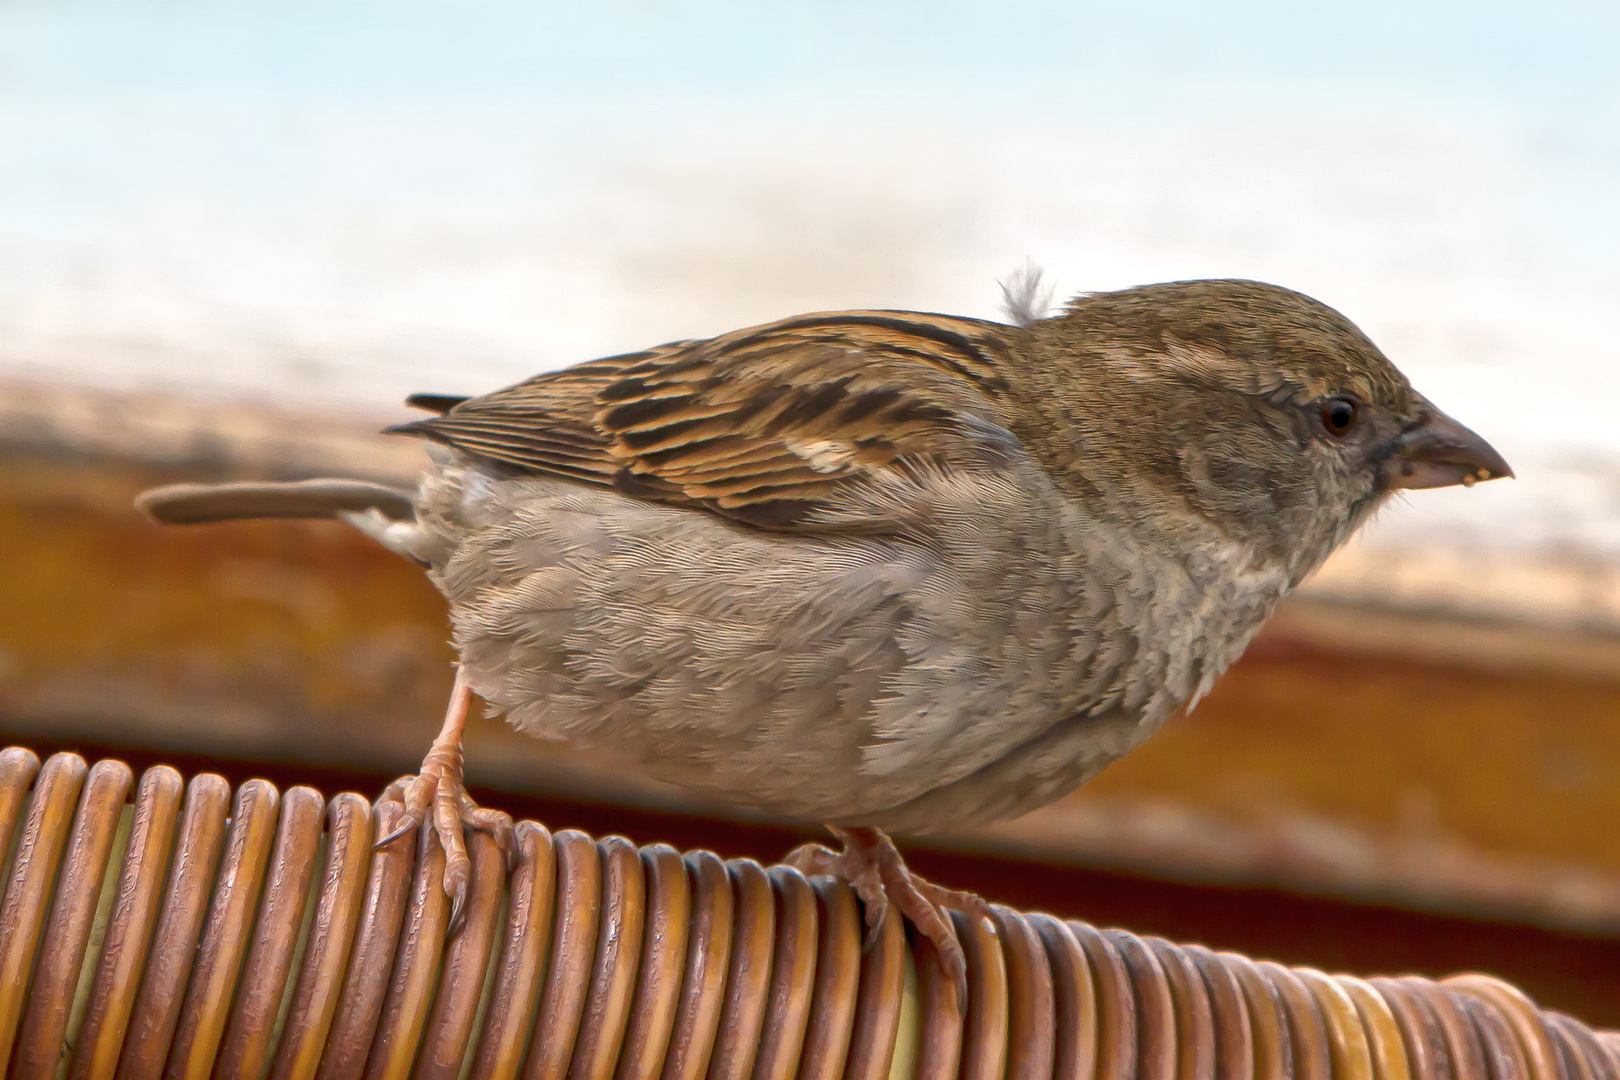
[[1338, 416]]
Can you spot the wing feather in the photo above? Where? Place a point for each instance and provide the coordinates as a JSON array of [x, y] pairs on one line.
[[766, 426]]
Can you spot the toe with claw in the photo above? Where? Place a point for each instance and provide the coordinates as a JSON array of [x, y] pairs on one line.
[[874, 868]]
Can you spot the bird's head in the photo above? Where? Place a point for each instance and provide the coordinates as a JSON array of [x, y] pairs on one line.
[[1246, 406]]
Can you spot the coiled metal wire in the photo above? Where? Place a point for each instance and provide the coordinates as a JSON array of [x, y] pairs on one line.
[[183, 930]]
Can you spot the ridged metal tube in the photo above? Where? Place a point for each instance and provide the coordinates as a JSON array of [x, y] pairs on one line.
[[182, 930]]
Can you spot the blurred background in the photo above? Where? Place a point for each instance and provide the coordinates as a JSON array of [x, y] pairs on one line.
[[233, 236]]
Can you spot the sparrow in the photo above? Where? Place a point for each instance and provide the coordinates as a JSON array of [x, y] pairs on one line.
[[886, 571]]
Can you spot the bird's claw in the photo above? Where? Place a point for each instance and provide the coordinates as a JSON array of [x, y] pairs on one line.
[[436, 801], [874, 868], [813, 860]]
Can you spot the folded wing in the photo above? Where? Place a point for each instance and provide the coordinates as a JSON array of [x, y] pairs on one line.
[[767, 426]]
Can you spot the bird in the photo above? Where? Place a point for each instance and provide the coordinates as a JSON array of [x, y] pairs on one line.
[[888, 572]]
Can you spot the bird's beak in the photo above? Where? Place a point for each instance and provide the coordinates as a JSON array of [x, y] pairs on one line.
[[1436, 451]]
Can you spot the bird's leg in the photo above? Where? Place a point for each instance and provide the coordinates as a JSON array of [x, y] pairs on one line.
[[439, 788], [873, 866]]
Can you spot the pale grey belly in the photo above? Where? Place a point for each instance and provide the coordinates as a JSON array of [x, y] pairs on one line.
[[822, 679]]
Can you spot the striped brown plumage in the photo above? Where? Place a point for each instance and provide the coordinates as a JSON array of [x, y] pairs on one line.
[[762, 425]]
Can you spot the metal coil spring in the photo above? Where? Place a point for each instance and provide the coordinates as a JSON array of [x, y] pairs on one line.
[[188, 932]]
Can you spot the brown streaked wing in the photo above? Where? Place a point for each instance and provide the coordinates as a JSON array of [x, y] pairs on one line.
[[764, 425]]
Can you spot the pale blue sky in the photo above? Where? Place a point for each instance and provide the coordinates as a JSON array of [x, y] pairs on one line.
[[1558, 55]]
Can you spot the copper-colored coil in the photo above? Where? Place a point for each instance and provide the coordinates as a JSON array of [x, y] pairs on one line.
[[18, 768], [1522, 1016], [1610, 1049], [1425, 1042], [618, 952], [663, 959], [1384, 1038], [1577, 1066], [793, 977], [1075, 1001], [1031, 999], [246, 1047], [1195, 1017], [1308, 1034], [130, 925], [516, 990], [416, 968], [878, 1008], [1229, 1014], [1568, 1066], [838, 972], [1116, 1005], [939, 1042], [984, 1029], [1348, 1040], [226, 934], [1268, 1019], [465, 972], [1598, 1065], [170, 956], [165, 939], [39, 852], [748, 980], [333, 928], [708, 955], [67, 934], [1571, 1062], [371, 965], [1463, 1044], [573, 953], [1156, 1047], [1605, 1048], [1503, 1054]]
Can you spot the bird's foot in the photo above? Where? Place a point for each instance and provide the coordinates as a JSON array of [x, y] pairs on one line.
[[875, 869], [437, 797]]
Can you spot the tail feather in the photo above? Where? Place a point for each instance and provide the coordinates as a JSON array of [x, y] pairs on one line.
[[196, 504], [438, 403]]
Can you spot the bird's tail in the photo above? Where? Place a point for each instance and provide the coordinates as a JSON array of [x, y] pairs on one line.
[[385, 514], [196, 504]]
